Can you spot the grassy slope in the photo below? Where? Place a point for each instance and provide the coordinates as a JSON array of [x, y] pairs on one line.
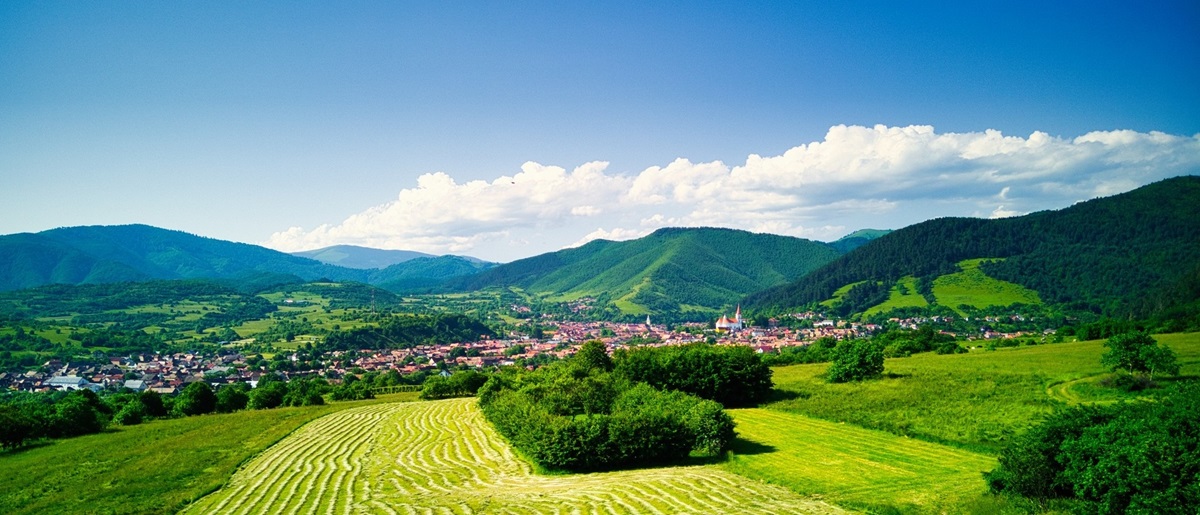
[[975, 401], [155, 467], [901, 299], [855, 467], [974, 288]]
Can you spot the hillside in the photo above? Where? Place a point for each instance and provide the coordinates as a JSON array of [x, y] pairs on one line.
[[365, 258], [857, 239], [111, 254], [670, 271], [1136, 254], [426, 273]]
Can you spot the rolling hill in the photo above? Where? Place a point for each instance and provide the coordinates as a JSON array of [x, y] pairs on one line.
[[673, 270], [134, 253], [1134, 254]]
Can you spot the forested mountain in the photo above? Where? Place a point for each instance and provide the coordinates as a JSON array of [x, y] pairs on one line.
[[104, 254], [669, 271], [353, 256], [1134, 254], [857, 239], [425, 273]]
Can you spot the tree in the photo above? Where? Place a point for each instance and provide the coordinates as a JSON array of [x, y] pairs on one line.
[[594, 356], [268, 394], [16, 426], [196, 399], [1138, 352], [232, 398], [153, 403], [856, 360]]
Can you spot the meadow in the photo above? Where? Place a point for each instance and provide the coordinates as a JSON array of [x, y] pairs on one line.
[[855, 467], [443, 457], [972, 287], [903, 295], [975, 401]]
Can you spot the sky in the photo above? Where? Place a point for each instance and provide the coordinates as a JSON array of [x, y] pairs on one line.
[[503, 130]]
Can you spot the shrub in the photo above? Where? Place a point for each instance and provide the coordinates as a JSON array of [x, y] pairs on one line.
[[856, 360]]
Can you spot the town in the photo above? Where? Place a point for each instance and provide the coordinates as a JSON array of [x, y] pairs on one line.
[[169, 374]]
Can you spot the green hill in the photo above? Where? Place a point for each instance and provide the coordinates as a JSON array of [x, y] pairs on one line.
[[857, 239], [671, 271], [353, 256], [1134, 254], [426, 273], [125, 253]]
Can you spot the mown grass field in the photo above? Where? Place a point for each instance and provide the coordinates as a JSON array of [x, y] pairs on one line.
[[976, 401], [443, 457], [156, 467], [974, 288], [855, 467]]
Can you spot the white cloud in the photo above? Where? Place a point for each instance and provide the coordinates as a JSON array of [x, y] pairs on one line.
[[617, 234], [882, 177]]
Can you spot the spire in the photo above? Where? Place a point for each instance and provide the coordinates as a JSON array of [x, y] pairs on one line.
[[647, 320], [738, 315]]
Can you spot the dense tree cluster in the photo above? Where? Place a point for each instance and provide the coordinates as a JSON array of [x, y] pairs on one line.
[[406, 331], [577, 415], [462, 383], [734, 376], [1141, 457]]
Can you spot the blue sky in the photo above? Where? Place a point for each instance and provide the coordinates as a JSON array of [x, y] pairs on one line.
[[508, 129]]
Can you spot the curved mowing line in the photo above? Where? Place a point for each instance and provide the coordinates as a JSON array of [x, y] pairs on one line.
[[443, 458]]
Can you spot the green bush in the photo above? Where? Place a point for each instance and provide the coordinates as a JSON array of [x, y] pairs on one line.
[[1141, 457], [856, 360]]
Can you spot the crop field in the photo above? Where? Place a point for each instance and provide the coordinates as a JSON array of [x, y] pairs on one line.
[[443, 457], [154, 467], [976, 400], [856, 467], [974, 288]]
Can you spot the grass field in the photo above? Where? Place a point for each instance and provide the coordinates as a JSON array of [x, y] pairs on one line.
[[155, 467], [855, 467], [976, 401], [974, 288], [903, 295], [443, 457]]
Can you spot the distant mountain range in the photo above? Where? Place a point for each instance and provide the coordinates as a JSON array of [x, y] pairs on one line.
[[1126, 255], [1134, 254], [670, 271], [364, 258], [107, 254]]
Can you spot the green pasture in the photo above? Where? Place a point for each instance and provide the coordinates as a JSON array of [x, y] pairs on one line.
[[975, 401], [155, 467], [855, 467], [839, 294], [903, 295], [974, 288]]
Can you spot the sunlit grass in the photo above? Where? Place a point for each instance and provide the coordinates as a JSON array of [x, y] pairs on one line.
[[155, 467]]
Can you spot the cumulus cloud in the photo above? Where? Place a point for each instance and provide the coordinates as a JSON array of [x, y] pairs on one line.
[[884, 177]]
